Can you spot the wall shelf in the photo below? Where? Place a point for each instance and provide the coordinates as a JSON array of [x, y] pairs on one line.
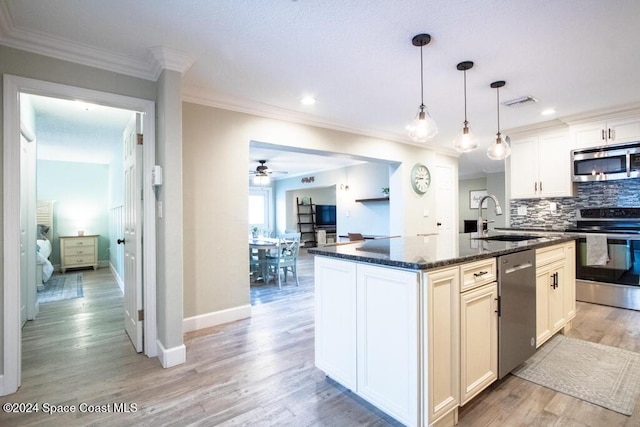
[[376, 199]]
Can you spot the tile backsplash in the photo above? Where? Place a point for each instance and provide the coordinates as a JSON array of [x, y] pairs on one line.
[[623, 193]]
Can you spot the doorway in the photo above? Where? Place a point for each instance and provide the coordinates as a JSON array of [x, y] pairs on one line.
[[13, 87]]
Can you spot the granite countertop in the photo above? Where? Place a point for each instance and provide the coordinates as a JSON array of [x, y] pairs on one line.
[[424, 252]]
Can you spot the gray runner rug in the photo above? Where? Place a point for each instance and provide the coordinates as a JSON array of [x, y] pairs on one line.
[[603, 375], [61, 287]]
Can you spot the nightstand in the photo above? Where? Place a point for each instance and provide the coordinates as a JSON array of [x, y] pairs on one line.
[[78, 252]]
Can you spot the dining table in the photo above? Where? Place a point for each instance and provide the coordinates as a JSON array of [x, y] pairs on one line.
[[262, 245]]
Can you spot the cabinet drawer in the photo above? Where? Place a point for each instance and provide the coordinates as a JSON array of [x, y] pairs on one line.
[[86, 251], [549, 254], [70, 261], [78, 241], [478, 273]]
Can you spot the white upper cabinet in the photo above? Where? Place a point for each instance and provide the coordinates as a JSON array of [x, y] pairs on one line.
[[606, 131], [540, 166]]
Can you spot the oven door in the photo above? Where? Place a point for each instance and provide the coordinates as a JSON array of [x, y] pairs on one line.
[[615, 270]]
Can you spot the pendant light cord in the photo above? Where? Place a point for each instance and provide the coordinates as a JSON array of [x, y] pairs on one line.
[[421, 82], [465, 98], [498, 107]]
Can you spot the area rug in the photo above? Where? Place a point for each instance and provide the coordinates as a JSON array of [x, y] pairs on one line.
[[61, 287], [599, 374]]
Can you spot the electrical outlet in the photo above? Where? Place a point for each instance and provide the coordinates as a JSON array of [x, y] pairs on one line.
[[522, 210], [553, 206]]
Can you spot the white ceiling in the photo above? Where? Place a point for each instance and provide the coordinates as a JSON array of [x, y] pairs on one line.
[[356, 57]]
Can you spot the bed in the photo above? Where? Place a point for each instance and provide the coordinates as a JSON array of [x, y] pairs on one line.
[[44, 234]]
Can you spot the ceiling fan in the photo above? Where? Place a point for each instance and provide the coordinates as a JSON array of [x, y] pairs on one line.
[[262, 170]]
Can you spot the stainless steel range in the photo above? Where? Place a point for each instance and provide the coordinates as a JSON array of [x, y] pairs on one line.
[[608, 256]]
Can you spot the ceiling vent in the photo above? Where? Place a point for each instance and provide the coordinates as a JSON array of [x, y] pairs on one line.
[[520, 102]]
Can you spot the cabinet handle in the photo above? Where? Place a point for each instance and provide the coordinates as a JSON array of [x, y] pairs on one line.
[[628, 156], [603, 135], [480, 274], [557, 280], [610, 133], [541, 186], [498, 310], [554, 283], [535, 187]]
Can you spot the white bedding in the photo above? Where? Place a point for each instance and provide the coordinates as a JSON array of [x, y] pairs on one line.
[[42, 258]]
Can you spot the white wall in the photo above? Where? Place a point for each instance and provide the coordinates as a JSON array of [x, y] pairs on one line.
[[364, 181], [216, 154]]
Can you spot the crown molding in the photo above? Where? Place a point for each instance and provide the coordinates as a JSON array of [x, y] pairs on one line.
[[272, 112], [163, 58], [159, 58]]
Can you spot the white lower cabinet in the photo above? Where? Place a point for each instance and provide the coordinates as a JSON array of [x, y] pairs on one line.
[[478, 340], [367, 333], [335, 319], [387, 340]]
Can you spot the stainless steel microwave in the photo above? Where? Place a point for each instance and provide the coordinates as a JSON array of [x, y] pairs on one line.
[[605, 163]]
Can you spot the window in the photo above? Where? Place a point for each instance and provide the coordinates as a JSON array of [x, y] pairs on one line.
[[259, 209]]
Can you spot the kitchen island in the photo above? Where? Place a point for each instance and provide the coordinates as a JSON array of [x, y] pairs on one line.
[[410, 323]]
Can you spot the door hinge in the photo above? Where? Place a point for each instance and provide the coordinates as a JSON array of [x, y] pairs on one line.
[[140, 139], [140, 315]]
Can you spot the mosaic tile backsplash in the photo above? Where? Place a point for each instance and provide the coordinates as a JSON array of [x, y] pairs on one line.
[[623, 193]]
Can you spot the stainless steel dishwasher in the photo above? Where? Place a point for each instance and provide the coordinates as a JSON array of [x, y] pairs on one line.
[[516, 309]]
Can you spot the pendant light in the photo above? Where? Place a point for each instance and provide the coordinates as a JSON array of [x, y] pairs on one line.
[[500, 150], [423, 127], [466, 141]]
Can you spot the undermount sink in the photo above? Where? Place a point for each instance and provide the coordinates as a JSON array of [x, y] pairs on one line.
[[510, 238]]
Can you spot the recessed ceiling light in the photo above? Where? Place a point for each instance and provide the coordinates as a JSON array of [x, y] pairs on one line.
[[308, 100], [548, 111]]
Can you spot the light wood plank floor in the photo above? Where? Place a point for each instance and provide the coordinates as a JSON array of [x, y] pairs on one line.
[[257, 371]]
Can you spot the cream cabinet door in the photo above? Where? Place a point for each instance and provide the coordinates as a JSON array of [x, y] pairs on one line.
[[388, 337], [478, 340], [570, 281], [442, 316], [623, 130], [557, 283], [335, 319], [543, 332]]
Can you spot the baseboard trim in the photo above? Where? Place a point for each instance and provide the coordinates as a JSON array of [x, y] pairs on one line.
[[117, 277], [172, 356], [215, 318]]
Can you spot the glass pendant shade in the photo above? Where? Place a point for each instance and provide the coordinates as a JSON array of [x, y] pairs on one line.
[[500, 149], [466, 141], [423, 127]]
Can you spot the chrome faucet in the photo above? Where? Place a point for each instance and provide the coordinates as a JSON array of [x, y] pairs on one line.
[[481, 222]]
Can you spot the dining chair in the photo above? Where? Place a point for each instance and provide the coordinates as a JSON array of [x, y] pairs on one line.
[[285, 257]]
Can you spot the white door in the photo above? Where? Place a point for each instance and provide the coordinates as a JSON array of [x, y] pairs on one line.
[[24, 219], [28, 290], [445, 215], [133, 319]]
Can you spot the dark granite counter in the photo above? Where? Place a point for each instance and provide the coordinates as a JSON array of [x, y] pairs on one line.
[[424, 252]]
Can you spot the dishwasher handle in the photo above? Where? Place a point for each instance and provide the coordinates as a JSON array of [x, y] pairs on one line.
[[518, 267]]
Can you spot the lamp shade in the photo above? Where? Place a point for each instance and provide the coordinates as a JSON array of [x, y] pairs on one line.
[[466, 141], [499, 150], [423, 127]]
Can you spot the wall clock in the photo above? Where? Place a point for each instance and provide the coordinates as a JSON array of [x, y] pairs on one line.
[[420, 178]]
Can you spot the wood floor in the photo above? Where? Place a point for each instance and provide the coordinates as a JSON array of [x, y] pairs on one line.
[[255, 372]]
